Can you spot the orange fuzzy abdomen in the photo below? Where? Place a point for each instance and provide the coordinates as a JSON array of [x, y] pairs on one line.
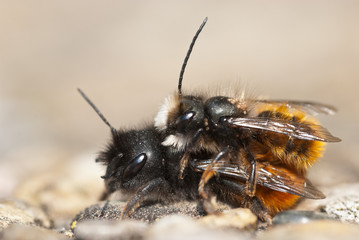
[[298, 154], [276, 201]]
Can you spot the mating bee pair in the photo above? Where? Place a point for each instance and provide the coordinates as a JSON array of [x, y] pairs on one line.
[[259, 151]]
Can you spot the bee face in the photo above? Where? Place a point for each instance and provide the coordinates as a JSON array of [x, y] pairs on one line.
[[191, 114], [179, 118], [180, 114], [132, 158]]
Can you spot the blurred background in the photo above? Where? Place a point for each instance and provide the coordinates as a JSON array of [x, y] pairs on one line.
[[126, 56]]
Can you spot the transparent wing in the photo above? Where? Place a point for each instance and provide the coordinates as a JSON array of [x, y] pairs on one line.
[[312, 108], [306, 131], [273, 177]]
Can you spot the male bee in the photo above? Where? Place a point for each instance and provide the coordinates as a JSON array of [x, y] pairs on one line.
[[255, 135], [134, 161]]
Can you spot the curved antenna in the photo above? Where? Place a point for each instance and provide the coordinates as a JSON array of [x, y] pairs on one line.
[[113, 130], [188, 54]]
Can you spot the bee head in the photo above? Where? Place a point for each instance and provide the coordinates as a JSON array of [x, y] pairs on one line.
[[179, 118], [190, 115], [132, 158]]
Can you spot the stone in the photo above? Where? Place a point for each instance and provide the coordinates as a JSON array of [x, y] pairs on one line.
[[14, 211], [345, 208], [102, 221], [65, 190], [332, 193], [111, 210], [294, 216], [20, 232], [183, 227], [237, 218], [110, 230], [318, 230]]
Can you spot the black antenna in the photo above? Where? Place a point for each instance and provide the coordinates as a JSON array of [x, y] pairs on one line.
[[114, 131], [188, 54]]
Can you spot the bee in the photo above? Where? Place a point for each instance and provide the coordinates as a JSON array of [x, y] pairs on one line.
[[274, 139], [134, 162]]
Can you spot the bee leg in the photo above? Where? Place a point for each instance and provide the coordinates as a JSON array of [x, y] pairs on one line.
[[246, 201], [252, 179], [209, 204], [253, 203], [183, 164], [109, 189], [259, 209], [104, 196], [143, 194], [104, 209], [206, 176], [184, 160]]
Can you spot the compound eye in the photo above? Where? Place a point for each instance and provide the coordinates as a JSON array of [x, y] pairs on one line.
[[223, 119], [183, 121], [134, 167]]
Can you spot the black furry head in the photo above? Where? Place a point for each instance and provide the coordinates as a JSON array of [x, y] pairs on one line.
[[132, 158]]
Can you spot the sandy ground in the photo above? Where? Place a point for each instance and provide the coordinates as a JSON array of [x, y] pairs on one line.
[[127, 56]]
